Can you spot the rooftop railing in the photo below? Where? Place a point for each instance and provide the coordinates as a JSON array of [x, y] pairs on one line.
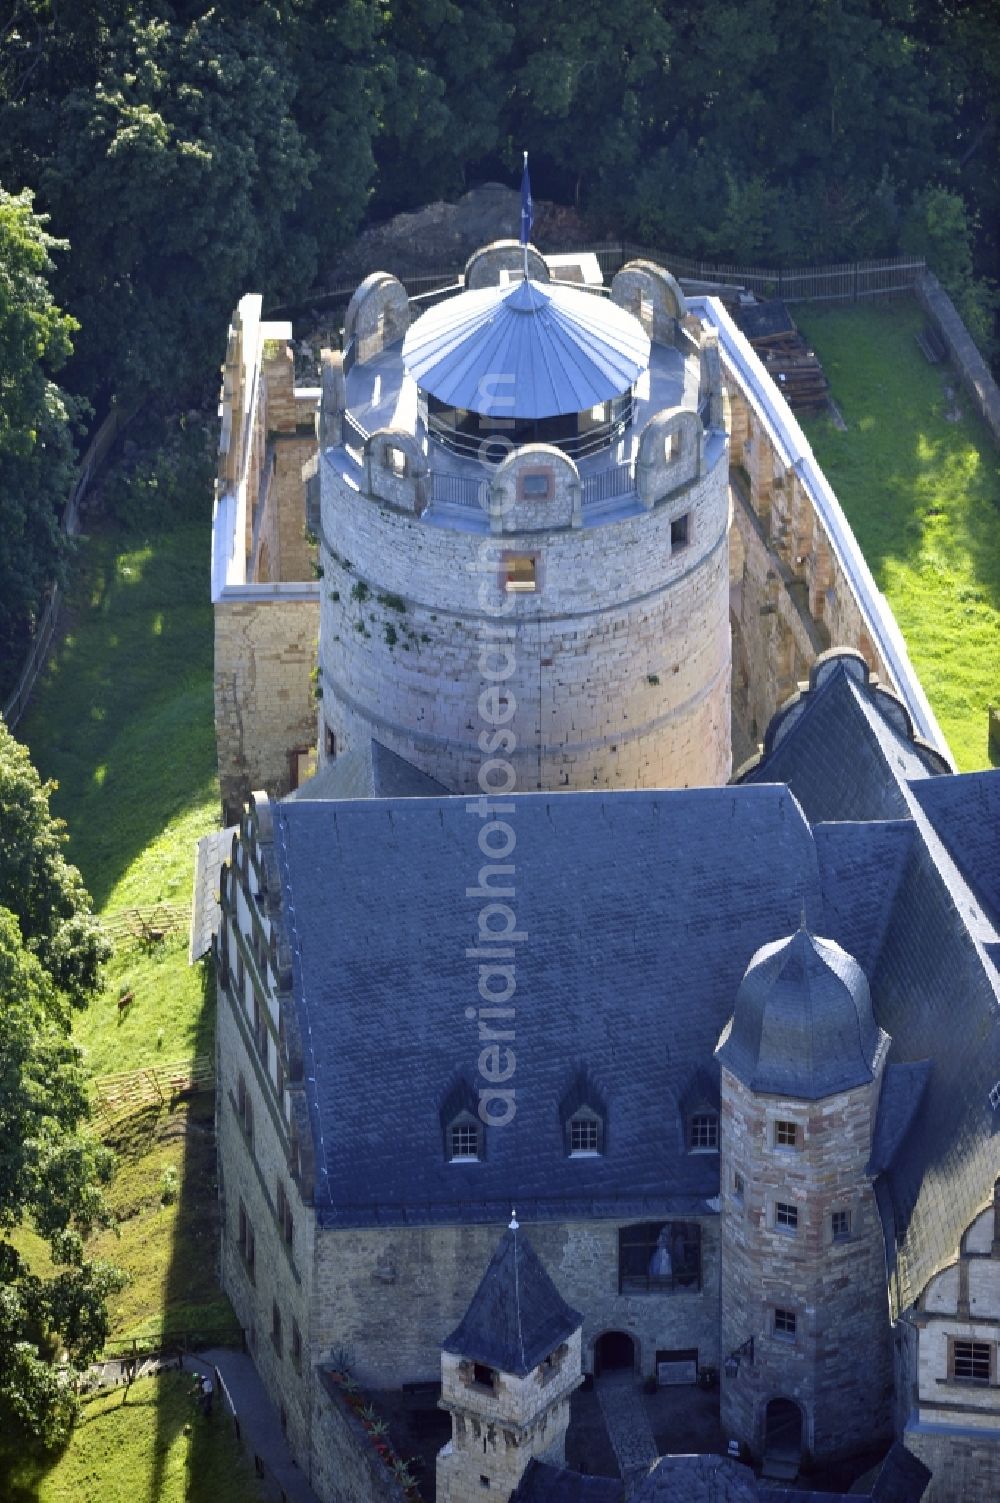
[[459, 490]]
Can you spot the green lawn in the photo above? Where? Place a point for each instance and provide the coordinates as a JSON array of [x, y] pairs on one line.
[[922, 493], [123, 721], [146, 1444]]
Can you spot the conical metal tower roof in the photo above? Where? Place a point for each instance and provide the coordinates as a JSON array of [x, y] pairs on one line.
[[530, 351]]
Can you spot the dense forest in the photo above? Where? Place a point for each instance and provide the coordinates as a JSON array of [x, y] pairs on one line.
[[157, 160]]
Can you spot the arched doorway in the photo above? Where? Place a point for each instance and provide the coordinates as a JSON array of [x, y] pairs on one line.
[[614, 1352], [782, 1439]]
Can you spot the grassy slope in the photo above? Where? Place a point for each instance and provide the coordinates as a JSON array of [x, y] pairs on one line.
[[922, 494], [148, 1444], [123, 722]]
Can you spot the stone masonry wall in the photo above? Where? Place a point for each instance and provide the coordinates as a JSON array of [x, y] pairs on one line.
[[837, 1367], [965, 1467], [972, 368], [619, 668], [344, 1465], [387, 1296], [495, 1432], [789, 598], [264, 707], [251, 1173]]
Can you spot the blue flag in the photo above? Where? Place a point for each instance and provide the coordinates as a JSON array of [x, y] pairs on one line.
[[527, 208]]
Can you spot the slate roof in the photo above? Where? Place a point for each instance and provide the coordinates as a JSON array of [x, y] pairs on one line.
[[965, 813], [903, 1477], [659, 898], [531, 351], [803, 1024], [517, 1315], [544, 1483], [369, 771], [838, 752], [697, 1479], [903, 1088], [844, 751]]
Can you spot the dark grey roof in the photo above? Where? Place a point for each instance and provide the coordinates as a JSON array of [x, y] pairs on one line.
[[965, 813], [903, 1088], [696, 1479], [861, 865], [659, 898], [902, 1479], [844, 750], [371, 770], [803, 1024], [544, 1483], [517, 1315]]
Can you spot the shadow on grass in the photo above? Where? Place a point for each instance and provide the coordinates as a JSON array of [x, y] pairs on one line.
[[197, 1313], [917, 471], [124, 717]]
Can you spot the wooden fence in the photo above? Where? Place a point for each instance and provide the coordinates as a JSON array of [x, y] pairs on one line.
[[115, 1097], [147, 925], [94, 457], [845, 281]]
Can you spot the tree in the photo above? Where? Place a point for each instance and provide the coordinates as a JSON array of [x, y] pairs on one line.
[[36, 449], [39, 886], [51, 1173], [50, 1180]]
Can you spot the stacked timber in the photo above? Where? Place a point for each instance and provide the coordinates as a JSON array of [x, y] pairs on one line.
[[793, 367]]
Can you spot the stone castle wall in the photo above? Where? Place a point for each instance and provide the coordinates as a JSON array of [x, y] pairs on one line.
[[620, 669], [836, 1288], [265, 649], [251, 1173], [965, 1465], [344, 1466], [388, 1296], [789, 596]]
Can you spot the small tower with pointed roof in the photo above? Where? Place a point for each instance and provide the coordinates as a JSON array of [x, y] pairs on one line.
[[507, 1372], [804, 1314]]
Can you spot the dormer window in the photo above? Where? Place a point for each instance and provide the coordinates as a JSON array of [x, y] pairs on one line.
[[464, 1141], [698, 1112], [703, 1132], [584, 1135], [461, 1128], [584, 1118]]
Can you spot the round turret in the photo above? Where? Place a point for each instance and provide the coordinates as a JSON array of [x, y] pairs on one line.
[[523, 532]]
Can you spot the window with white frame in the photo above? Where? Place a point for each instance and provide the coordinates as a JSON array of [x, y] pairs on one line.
[[463, 1141], [703, 1132], [584, 1134]]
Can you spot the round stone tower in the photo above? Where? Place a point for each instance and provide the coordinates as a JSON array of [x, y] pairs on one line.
[[805, 1320], [523, 530]]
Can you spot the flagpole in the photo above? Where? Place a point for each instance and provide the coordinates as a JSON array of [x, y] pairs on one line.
[[526, 237]]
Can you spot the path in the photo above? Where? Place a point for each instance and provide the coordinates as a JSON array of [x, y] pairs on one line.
[[627, 1423], [260, 1427]]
